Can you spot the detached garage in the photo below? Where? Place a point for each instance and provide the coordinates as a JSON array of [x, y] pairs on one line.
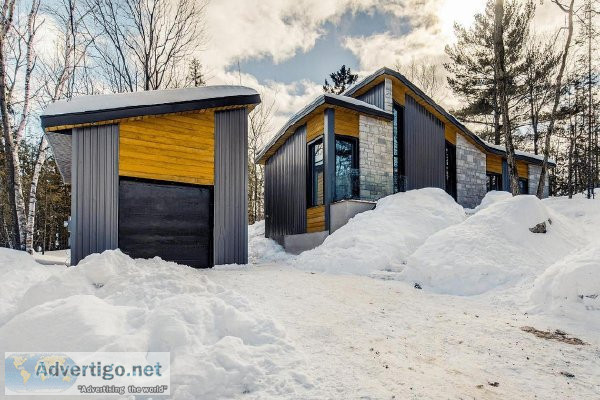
[[157, 173]]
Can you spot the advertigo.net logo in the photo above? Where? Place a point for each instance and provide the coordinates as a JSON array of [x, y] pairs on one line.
[[86, 373]]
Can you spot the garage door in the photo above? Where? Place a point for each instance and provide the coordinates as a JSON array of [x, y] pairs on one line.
[[171, 221]]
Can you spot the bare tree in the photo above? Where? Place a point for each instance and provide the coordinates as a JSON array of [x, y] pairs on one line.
[[426, 75], [17, 59], [259, 123], [569, 10], [500, 71], [140, 44]]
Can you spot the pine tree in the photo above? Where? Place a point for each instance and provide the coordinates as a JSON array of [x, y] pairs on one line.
[[195, 76], [472, 61], [341, 79]]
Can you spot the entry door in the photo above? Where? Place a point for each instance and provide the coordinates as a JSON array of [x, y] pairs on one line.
[[172, 221]]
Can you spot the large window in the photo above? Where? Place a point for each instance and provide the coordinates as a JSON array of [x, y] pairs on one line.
[[451, 169], [494, 181], [316, 173], [399, 178], [346, 168], [523, 186]]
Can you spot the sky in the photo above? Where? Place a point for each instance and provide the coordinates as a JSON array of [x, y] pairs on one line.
[[286, 48]]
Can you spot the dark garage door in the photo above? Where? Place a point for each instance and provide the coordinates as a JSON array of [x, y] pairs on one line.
[[171, 221]]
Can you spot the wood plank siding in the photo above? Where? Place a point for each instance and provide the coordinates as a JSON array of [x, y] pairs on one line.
[[523, 169], [450, 133], [494, 163], [176, 148], [346, 123], [315, 126], [315, 219]]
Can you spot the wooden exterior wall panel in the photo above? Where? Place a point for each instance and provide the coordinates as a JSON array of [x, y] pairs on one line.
[[450, 133], [315, 219], [315, 127], [346, 123], [493, 163], [523, 169], [177, 148]]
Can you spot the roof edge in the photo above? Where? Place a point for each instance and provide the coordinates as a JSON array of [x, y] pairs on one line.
[[87, 117], [322, 99], [388, 71]]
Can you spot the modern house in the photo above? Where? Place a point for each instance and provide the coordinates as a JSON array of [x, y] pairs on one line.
[[156, 173], [341, 153]]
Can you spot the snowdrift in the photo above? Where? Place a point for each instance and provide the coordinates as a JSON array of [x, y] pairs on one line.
[[220, 346], [571, 287], [492, 249], [18, 271], [261, 249], [383, 238], [490, 198]]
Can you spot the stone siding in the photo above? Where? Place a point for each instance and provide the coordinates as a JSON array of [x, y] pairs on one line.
[[389, 101], [376, 147], [471, 181], [534, 180]]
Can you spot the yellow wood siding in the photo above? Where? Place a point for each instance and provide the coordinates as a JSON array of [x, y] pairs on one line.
[[315, 126], [523, 169], [177, 148], [346, 123], [494, 163], [315, 219], [450, 133]]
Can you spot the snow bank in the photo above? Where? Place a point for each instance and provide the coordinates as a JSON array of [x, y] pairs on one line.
[[220, 346], [580, 210], [382, 239], [571, 287], [261, 249], [491, 198], [492, 249], [18, 271]]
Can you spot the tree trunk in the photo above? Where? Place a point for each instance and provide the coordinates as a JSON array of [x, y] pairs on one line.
[[41, 159], [500, 69], [557, 90], [497, 132]]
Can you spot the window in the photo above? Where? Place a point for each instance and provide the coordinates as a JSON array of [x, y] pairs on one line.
[[451, 169], [494, 181], [346, 168], [399, 178], [316, 173], [523, 186]]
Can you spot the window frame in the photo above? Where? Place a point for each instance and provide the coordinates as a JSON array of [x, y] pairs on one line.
[[355, 164], [310, 200], [488, 175]]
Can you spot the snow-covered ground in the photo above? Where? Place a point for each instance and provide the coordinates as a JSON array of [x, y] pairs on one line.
[[281, 327]]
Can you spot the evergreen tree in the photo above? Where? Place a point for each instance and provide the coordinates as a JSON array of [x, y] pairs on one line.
[[195, 76], [341, 79], [471, 67]]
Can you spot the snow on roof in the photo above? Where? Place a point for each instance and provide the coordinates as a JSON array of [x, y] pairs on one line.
[[352, 100], [501, 147], [146, 98]]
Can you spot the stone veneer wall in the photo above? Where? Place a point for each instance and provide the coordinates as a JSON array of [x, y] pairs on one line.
[[534, 179], [376, 148], [471, 180]]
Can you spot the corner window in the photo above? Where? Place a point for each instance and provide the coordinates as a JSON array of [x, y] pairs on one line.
[[494, 181], [316, 173], [523, 186], [346, 168]]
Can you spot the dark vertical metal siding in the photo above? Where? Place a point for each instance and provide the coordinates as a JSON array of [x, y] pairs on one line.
[[94, 190], [424, 147], [285, 188], [329, 162], [231, 189], [375, 96], [505, 176]]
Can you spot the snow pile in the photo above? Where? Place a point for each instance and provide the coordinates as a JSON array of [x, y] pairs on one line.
[[261, 249], [580, 210], [493, 249], [571, 287], [383, 238], [220, 346], [490, 198], [18, 271]]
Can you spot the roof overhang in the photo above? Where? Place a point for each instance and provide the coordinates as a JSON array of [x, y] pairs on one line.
[[325, 100], [379, 75]]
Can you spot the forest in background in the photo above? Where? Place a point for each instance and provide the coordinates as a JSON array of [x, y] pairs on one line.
[[539, 93]]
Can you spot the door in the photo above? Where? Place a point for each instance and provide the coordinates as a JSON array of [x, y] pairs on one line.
[[171, 221]]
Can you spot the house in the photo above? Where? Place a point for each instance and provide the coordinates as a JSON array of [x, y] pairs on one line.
[[341, 153], [156, 173]]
